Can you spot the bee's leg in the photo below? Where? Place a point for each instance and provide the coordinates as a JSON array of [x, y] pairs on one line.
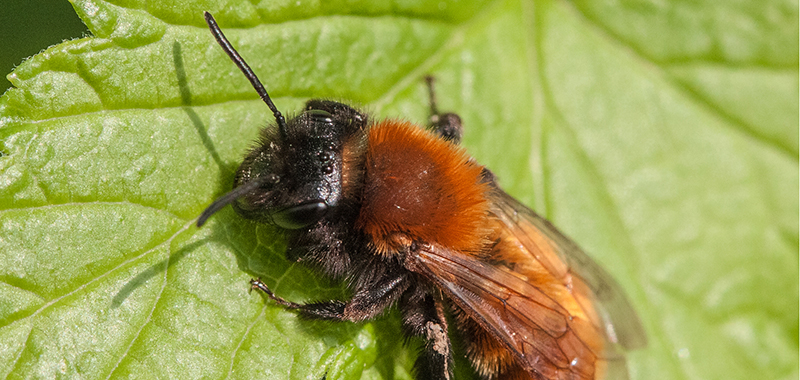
[[257, 284], [447, 125], [423, 315], [368, 301]]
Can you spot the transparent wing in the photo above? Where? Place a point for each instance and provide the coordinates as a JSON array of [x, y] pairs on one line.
[[564, 259], [535, 291]]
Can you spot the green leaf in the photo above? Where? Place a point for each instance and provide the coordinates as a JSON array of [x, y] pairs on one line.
[[663, 137]]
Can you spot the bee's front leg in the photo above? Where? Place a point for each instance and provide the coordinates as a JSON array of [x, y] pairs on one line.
[[367, 302]]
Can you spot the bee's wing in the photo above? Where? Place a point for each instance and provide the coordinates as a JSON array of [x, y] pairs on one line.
[[533, 325], [561, 256], [536, 292]]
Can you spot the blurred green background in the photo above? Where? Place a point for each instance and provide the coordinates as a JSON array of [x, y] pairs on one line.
[[30, 26]]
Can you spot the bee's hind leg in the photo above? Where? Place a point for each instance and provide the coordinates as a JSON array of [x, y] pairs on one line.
[[423, 315]]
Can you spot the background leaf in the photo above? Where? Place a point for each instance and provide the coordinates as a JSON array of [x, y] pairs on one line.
[[662, 136]]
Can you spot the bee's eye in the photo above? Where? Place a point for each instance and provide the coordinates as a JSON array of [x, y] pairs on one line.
[[320, 116], [294, 217]]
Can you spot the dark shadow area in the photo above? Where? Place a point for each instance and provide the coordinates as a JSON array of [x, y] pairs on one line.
[[151, 272], [186, 101], [180, 72]]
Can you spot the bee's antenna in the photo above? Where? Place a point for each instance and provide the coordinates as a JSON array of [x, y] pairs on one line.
[[234, 195], [251, 76]]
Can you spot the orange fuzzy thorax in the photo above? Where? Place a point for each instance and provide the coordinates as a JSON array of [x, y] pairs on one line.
[[420, 187]]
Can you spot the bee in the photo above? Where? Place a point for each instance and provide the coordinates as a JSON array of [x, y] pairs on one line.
[[408, 218]]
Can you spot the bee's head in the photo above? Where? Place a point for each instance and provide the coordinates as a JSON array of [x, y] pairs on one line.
[[294, 176], [299, 175]]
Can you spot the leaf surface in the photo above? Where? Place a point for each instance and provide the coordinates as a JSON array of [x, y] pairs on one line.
[[662, 137]]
